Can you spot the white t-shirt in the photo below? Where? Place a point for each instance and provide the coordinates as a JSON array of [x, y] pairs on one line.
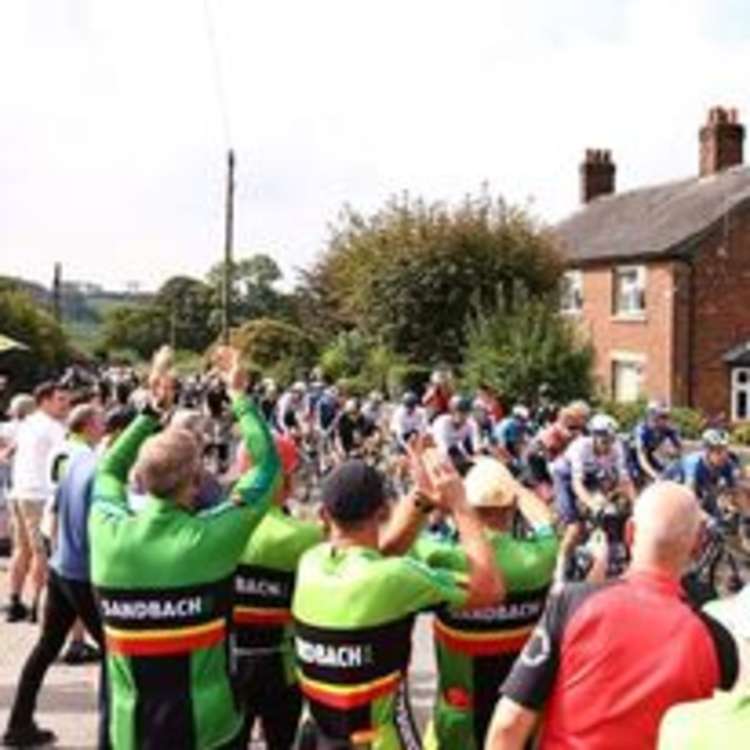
[[38, 436]]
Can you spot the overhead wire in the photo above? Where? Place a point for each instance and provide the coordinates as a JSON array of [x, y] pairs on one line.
[[217, 75]]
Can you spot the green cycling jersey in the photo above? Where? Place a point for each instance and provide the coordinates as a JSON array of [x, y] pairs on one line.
[[353, 610], [164, 577], [476, 648]]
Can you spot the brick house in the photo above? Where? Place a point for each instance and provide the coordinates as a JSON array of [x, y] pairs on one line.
[[659, 277]]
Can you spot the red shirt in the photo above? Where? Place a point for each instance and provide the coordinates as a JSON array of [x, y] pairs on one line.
[[608, 660]]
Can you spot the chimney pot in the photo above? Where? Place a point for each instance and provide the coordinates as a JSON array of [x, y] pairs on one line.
[[721, 141], [597, 174]]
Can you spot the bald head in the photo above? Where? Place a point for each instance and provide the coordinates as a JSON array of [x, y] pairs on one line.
[[168, 462], [667, 522]]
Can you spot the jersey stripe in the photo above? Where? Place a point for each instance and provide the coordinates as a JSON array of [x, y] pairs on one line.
[[349, 696], [163, 642], [261, 616], [482, 643]]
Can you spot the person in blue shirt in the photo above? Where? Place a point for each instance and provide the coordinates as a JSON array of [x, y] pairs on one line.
[[509, 437], [650, 437], [69, 593], [709, 471]]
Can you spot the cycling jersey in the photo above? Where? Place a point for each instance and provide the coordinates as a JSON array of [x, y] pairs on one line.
[[163, 577], [705, 480], [407, 422], [450, 437], [353, 610], [326, 411], [287, 409], [264, 586], [475, 649], [510, 434], [649, 438]]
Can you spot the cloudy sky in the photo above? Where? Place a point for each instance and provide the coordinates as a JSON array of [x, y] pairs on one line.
[[112, 140]]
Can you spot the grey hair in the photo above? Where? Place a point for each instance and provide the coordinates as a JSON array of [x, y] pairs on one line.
[[167, 462]]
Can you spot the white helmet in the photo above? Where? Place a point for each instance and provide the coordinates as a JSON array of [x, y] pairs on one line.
[[521, 412], [603, 424], [298, 387], [351, 406]]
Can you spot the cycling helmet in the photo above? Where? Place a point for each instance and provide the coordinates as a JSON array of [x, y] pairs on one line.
[[657, 409], [409, 400], [351, 406], [438, 378], [603, 424], [521, 412], [715, 438], [298, 387], [375, 397], [460, 404]]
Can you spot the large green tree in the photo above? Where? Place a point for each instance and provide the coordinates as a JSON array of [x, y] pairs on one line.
[[138, 328], [413, 274], [190, 307]]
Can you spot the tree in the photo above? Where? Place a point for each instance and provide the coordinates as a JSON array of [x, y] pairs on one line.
[[275, 347], [518, 351], [413, 274], [189, 305], [138, 328], [22, 318], [253, 288]]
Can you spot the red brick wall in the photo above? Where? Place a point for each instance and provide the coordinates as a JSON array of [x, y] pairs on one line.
[[722, 299], [650, 337]]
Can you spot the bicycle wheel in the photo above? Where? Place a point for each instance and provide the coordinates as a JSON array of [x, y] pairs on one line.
[[726, 575]]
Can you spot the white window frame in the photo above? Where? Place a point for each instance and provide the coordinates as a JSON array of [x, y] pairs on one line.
[[571, 292], [626, 359], [736, 387], [636, 295]]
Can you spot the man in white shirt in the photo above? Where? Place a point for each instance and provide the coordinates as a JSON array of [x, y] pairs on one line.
[[456, 434], [39, 435]]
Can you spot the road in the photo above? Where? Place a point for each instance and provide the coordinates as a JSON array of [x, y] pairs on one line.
[[67, 704]]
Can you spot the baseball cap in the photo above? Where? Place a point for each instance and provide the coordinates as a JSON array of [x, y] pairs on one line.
[[353, 491], [489, 484]]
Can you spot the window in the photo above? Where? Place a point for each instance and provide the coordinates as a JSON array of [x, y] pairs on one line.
[[571, 292], [627, 380], [740, 394], [629, 287]]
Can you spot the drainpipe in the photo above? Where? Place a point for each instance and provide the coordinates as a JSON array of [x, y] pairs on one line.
[[691, 330]]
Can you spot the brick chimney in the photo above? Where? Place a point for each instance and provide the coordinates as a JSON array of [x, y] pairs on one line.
[[721, 141], [597, 174]]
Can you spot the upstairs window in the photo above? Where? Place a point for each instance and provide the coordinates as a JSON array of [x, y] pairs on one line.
[[629, 290], [571, 292]]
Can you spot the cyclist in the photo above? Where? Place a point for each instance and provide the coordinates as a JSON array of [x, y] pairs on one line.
[[456, 434], [163, 575], [372, 410], [708, 471], [476, 648], [263, 649], [354, 608], [289, 411], [591, 469], [350, 431], [436, 400], [407, 421], [269, 397], [548, 445], [510, 437], [649, 439]]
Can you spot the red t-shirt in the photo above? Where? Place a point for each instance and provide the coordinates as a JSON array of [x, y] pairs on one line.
[[608, 660]]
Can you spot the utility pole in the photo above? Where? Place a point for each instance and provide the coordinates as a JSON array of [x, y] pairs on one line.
[[57, 293], [226, 322]]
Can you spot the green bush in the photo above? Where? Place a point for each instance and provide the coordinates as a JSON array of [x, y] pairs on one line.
[[517, 350], [689, 422], [741, 434], [402, 378]]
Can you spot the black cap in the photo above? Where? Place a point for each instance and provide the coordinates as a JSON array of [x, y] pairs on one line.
[[354, 491], [118, 418]]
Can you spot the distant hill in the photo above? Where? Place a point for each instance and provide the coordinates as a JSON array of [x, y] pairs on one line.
[[83, 305]]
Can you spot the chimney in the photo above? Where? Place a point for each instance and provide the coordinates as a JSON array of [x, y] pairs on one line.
[[721, 141], [597, 174]]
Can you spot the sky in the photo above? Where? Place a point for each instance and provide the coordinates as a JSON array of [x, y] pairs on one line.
[[115, 116]]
